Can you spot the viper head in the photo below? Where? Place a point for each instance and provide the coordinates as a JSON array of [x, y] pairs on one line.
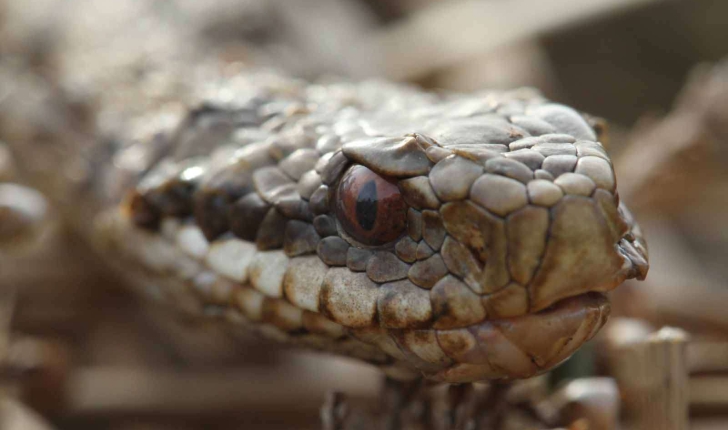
[[466, 245]]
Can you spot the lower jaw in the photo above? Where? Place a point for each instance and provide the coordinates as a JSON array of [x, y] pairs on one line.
[[524, 346]]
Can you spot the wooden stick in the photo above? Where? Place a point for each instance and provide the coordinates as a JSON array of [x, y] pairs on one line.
[[334, 411], [490, 413], [592, 400], [653, 374], [396, 397]]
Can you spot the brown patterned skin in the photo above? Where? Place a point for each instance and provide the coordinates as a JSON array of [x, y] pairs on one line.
[[470, 238]]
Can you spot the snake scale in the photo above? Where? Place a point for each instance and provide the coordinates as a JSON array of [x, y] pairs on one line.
[[459, 237]]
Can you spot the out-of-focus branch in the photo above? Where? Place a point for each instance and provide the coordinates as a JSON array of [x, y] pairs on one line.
[[14, 416], [670, 161], [450, 32], [652, 372], [673, 170]]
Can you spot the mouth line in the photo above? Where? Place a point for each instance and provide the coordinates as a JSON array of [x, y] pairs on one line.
[[554, 307], [562, 308]]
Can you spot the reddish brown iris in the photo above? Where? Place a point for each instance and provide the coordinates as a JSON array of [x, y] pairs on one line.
[[370, 207]]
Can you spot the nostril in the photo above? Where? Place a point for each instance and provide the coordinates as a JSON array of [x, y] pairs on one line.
[[638, 264]]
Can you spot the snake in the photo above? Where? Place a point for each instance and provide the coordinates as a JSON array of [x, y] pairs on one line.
[[455, 237]]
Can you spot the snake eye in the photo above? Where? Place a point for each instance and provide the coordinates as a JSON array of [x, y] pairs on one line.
[[370, 207]]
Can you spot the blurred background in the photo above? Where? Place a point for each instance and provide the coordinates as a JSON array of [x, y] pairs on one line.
[[77, 351]]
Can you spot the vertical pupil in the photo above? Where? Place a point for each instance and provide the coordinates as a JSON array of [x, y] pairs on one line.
[[366, 205]]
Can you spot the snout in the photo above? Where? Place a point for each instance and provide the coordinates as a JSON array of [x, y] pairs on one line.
[[554, 236]]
